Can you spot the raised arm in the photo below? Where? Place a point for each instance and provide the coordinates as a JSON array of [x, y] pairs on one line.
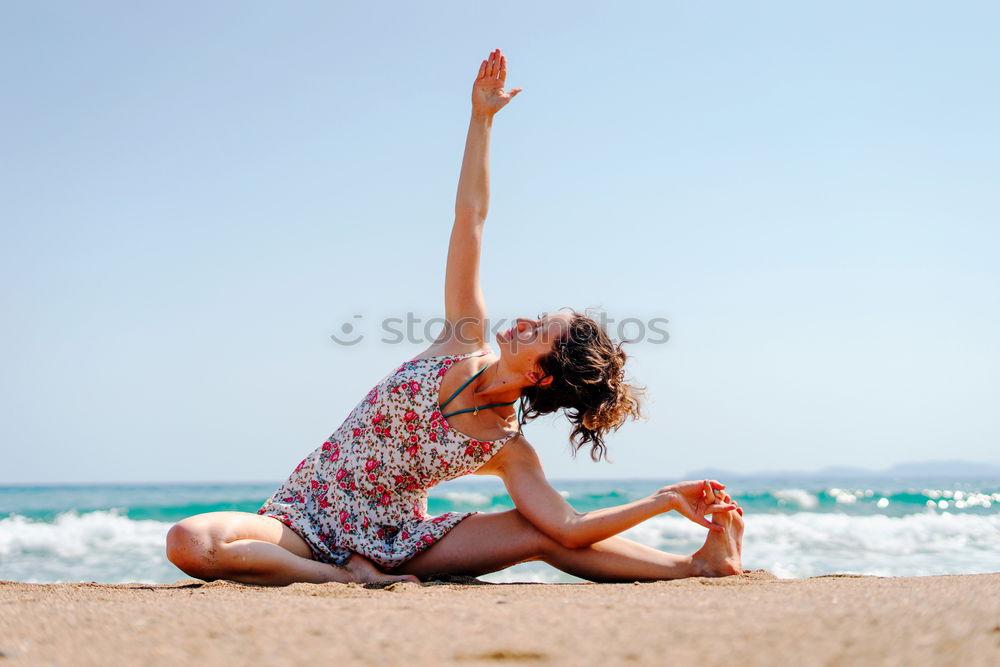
[[465, 306], [522, 474]]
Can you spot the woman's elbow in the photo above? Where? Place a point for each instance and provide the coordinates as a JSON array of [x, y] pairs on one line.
[[570, 538], [571, 543]]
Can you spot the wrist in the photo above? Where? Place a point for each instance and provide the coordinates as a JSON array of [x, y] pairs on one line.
[[483, 116], [666, 499]]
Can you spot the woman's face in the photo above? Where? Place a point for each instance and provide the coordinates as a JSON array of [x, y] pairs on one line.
[[530, 339]]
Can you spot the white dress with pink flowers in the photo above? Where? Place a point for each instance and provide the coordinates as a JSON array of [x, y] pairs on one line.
[[364, 490]]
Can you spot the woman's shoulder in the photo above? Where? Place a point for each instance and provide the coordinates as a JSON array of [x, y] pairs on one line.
[[452, 349]]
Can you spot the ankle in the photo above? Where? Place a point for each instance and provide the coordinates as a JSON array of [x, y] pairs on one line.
[[698, 566], [353, 571]]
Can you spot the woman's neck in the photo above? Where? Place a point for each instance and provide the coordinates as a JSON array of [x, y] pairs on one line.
[[497, 385]]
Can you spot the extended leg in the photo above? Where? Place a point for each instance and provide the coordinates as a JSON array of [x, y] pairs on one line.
[[486, 543], [256, 549]]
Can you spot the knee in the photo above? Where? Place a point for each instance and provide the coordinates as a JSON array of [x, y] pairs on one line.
[[192, 551], [538, 544]]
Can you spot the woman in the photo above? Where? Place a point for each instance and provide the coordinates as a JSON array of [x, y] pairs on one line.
[[355, 508]]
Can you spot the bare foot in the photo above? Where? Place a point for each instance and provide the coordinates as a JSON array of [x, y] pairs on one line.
[[363, 571], [722, 553]]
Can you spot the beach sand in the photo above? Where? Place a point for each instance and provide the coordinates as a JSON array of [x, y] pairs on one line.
[[752, 619]]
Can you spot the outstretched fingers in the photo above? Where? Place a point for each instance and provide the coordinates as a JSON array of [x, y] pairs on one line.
[[492, 66]]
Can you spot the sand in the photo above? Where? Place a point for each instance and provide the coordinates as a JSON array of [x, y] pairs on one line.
[[752, 619]]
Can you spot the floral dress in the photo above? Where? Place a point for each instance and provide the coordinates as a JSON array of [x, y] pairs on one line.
[[364, 490]]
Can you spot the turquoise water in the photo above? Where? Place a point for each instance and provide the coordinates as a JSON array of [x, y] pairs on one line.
[[795, 527]]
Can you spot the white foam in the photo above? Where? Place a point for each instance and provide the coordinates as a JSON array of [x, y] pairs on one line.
[[533, 572], [109, 547], [808, 544], [100, 546]]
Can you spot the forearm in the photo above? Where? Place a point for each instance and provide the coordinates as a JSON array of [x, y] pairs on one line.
[[590, 527], [473, 199]]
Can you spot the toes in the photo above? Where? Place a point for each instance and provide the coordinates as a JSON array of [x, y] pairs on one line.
[[720, 508]]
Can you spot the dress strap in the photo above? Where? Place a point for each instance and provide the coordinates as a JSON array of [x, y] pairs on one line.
[[478, 408], [459, 390]]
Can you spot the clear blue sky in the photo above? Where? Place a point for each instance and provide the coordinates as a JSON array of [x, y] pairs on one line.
[[193, 199]]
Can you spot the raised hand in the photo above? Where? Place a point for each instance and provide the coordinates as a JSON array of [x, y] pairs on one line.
[[488, 95]]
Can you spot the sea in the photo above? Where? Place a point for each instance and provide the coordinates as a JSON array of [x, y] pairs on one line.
[[806, 527]]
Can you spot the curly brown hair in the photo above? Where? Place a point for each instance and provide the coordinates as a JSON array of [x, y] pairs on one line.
[[588, 382]]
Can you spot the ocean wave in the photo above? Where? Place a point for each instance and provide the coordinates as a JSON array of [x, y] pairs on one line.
[[109, 547], [807, 544], [104, 546], [174, 502], [835, 500]]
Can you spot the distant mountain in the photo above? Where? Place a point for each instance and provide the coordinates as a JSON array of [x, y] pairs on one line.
[[947, 468], [956, 469], [844, 471]]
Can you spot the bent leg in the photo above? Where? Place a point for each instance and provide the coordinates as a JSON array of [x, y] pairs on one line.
[[485, 543], [256, 549]]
